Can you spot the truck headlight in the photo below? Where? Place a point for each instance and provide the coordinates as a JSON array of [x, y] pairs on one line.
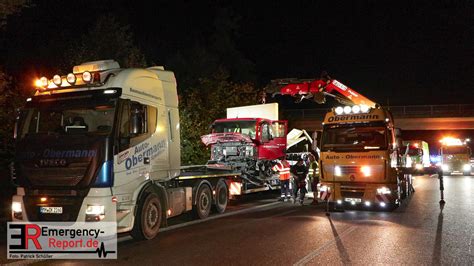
[[95, 213], [418, 166], [16, 207], [445, 167], [466, 167], [337, 170], [383, 190], [17, 210], [365, 170]]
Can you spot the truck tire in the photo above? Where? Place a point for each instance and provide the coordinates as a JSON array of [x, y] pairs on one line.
[[222, 196], [148, 218], [203, 202]]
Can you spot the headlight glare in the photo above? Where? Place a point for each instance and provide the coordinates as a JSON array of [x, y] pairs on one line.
[[466, 167], [16, 207], [365, 170], [383, 190], [95, 210]]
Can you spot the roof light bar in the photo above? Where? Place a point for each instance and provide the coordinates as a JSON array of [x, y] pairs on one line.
[[356, 109], [87, 77], [71, 78], [57, 80]]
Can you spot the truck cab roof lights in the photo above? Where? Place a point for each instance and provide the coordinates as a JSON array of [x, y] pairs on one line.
[[42, 82], [364, 108], [71, 78], [450, 141], [347, 110], [57, 80], [87, 77], [355, 109], [95, 66]]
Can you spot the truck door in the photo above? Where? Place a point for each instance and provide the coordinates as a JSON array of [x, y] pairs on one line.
[[273, 140]]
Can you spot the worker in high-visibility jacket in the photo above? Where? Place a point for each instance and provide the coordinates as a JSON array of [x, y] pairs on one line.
[[282, 167], [314, 177]]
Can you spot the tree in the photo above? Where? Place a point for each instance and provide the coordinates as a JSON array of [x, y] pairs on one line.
[[10, 97], [9, 7], [108, 39], [212, 76]]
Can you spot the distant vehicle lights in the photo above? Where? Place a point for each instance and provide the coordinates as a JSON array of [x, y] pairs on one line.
[[450, 141]]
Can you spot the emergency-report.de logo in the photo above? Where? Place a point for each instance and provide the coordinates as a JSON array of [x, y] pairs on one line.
[[60, 240]]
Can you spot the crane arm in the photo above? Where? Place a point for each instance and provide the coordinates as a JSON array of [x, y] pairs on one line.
[[319, 88]]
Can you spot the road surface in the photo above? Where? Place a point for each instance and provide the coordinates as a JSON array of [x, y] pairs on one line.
[[418, 232]]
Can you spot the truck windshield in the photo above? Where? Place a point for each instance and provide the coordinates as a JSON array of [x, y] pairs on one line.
[[412, 151], [245, 127], [354, 138], [67, 117], [456, 150]]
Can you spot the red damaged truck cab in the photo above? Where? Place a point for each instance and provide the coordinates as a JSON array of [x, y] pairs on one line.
[[249, 144]]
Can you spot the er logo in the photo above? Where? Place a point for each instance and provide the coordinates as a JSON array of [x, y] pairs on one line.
[[27, 232]]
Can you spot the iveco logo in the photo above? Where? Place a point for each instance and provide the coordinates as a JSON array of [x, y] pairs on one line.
[[352, 178], [51, 163]]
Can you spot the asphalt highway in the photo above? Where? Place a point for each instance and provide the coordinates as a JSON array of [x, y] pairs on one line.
[[263, 232]]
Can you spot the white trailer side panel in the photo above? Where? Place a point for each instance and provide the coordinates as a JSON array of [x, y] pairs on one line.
[[268, 111]]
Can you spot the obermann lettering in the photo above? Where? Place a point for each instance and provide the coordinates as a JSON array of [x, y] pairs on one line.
[[353, 117]]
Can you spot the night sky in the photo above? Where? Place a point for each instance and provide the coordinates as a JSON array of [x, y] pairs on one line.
[[414, 52]]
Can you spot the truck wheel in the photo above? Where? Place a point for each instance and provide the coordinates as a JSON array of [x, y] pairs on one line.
[[222, 196], [203, 202], [148, 218]]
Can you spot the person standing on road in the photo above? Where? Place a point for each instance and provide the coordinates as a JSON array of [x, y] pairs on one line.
[[314, 177], [300, 171], [283, 169]]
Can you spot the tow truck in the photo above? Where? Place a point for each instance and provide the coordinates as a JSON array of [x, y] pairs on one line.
[[455, 156], [102, 143], [360, 157]]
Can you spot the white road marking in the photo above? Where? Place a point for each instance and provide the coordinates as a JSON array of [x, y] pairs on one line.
[[318, 251]]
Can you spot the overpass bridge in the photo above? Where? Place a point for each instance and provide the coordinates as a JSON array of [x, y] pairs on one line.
[[409, 117]]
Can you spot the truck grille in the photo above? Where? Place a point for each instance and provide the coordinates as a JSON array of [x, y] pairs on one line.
[[349, 169], [55, 176], [70, 205], [351, 194]]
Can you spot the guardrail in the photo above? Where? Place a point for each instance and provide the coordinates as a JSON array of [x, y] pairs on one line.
[[406, 111]]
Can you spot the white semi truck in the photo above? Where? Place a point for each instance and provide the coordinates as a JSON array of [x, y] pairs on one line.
[[103, 144]]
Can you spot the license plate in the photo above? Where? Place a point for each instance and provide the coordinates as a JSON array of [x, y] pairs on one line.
[[353, 199], [51, 210]]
